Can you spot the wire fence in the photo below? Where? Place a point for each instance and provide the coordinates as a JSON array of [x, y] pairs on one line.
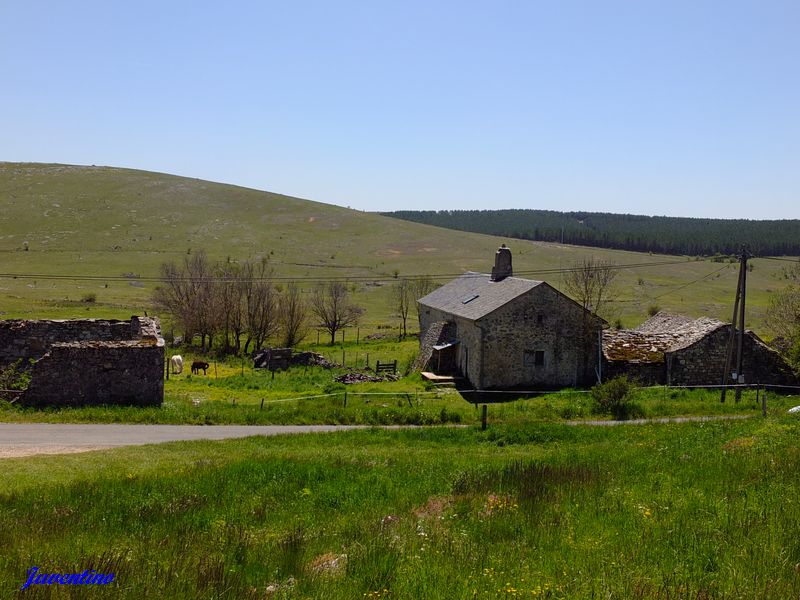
[[478, 396]]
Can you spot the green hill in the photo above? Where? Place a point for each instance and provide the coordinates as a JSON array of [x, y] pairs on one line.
[[66, 221]]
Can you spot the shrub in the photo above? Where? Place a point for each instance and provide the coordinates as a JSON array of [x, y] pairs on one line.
[[614, 398], [89, 298], [653, 310]]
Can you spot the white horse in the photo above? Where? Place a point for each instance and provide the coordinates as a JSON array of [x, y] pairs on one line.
[[177, 364]]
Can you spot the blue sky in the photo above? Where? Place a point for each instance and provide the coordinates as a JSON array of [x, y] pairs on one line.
[[669, 107]]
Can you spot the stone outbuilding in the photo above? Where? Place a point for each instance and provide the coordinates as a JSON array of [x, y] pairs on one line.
[[671, 349], [499, 331], [79, 362]]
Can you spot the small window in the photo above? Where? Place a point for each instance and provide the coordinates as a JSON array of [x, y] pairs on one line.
[[469, 299], [540, 318], [533, 358]]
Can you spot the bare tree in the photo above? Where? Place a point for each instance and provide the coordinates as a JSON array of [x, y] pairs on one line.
[[402, 298], [187, 292], [331, 304], [591, 284], [227, 301], [421, 286], [293, 316], [260, 303]]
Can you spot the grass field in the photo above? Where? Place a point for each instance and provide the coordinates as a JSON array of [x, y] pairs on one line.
[[542, 511], [105, 222]]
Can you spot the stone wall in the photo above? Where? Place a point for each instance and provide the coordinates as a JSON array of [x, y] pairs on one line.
[[90, 373], [540, 320], [32, 339], [642, 373], [88, 361], [703, 362]]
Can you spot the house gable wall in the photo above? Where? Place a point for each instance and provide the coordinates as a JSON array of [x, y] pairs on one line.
[[513, 335]]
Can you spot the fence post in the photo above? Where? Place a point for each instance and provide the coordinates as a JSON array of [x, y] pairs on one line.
[[262, 404], [764, 403], [345, 398], [484, 411]]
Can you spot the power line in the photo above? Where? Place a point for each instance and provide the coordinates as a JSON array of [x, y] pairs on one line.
[[314, 279]]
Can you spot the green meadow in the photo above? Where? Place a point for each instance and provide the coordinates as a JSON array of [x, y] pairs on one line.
[[689, 510]]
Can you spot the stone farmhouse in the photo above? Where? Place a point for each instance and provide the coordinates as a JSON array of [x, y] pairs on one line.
[[671, 349], [499, 331], [87, 361]]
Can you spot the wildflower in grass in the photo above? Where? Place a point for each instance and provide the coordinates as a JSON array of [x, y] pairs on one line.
[[305, 492], [496, 503]]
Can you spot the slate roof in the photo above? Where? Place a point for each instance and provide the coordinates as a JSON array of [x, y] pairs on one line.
[[475, 295], [664, 332]]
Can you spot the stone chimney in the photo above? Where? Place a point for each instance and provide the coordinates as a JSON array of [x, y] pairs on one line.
[[502, 264]]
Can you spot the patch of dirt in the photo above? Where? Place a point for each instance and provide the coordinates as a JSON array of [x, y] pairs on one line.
[[22, 451], [434, 507]]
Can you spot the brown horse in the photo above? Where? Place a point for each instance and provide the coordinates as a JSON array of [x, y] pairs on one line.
[[197, 365]]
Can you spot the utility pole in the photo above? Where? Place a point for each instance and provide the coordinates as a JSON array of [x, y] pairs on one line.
[[737, 326]]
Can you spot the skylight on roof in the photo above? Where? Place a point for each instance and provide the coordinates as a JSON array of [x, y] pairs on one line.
[[470, 299]]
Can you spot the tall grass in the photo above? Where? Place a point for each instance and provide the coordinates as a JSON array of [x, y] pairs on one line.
[[662, 511]]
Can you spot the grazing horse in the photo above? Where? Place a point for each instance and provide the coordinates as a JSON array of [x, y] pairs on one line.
[[177, 364], [197, 365]]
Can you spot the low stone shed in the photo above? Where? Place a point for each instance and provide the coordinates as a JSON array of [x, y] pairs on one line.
[[671, 349], [78, 362]]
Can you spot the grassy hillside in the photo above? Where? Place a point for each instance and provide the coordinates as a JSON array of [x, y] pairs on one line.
[[108, 222]]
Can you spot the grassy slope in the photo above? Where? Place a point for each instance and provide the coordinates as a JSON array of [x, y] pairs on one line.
[[107, 221]]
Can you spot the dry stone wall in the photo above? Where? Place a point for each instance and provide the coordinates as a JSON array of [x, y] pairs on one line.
[[88, 361]]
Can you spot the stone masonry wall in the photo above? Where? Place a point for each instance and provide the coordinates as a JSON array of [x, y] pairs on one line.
[[85, 373], [540, 320], [32, 339], [88, 361], [468, 359], [702, 363]]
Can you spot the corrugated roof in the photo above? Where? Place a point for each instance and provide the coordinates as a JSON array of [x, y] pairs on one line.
[[474, 295], [664, 332]]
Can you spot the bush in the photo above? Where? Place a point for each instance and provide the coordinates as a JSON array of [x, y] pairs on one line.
[[614, 398], [89, 298]]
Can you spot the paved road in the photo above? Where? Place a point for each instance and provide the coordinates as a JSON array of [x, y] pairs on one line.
[[25, 439]]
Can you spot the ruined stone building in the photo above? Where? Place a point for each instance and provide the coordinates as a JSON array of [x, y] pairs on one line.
[[501, 331], [87, 361], [670, 349]]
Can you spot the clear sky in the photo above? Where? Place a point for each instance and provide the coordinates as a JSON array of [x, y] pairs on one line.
[[686, 108]]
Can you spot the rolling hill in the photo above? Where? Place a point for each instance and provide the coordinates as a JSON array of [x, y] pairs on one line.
[[59, 223]]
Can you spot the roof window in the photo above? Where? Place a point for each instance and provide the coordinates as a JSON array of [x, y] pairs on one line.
[[469, 299]]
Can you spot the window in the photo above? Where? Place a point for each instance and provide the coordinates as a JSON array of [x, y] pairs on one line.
[[533, 358], [540, 318]]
